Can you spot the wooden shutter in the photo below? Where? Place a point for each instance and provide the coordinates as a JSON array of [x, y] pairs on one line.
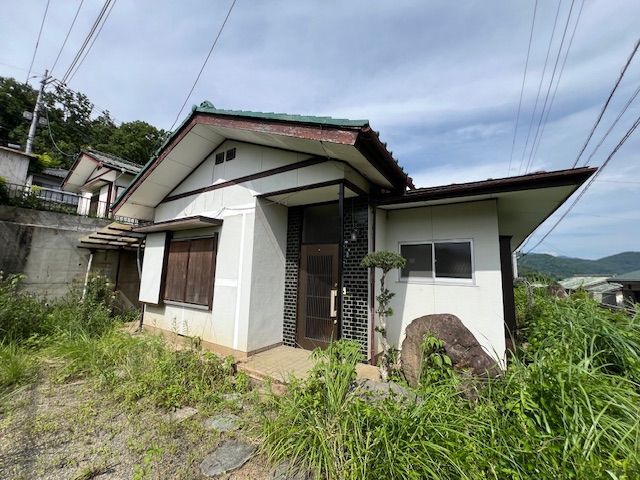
[[177, 264], [199, 280]]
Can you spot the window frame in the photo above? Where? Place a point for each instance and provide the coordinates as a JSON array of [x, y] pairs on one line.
[[434, 279], [171, 298]]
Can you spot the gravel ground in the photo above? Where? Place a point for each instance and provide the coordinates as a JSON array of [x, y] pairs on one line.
[[73, 431]]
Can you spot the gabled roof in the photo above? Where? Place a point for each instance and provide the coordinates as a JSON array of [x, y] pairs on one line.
[[352, 141], [626, 277], [523, 202], [88, 161]]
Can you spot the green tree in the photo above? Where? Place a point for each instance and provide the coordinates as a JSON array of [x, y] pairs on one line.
[[15, 98], [386, 261], [134, 141]]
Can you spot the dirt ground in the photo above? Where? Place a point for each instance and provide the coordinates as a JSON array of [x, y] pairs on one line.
[[53, 430]]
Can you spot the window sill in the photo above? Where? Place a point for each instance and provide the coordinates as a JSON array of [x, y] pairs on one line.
[[187, 305], [440, 282]]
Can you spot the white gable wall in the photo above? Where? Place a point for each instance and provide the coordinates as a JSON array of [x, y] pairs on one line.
[[478, 304]]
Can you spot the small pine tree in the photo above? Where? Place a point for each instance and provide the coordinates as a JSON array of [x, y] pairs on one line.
[[386, 261]]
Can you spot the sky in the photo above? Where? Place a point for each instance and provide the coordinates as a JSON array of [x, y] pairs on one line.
[[444, 82]]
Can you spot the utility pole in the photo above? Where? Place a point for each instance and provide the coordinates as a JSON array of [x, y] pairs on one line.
[[36, 111]]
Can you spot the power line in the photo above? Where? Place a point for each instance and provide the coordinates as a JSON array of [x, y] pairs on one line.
[[633, 97], [92, 42], [86, 40], [204, 64], [606, 104], [544, 69], [593, 179], [67, 37], [38, 40], [524, 77], [564, 62]]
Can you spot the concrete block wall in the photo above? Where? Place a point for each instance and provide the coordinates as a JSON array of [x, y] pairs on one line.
[[43, 246]]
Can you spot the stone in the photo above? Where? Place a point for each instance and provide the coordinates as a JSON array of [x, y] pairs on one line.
[[557, 291], [181, 414], [284, 471], [460, 345], [228, 457], [370, 390], [224, 422]]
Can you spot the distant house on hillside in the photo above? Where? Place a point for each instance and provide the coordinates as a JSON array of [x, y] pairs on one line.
[[598, 287], [630, 285], [99, 178]]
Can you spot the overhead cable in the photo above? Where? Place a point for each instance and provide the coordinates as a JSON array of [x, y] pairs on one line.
[[606, 104], [544, 69], [564, 62], [203, 65], [593, 179], [67, 37], [92, 42], [75, 60], [524, 77], [37, 41]]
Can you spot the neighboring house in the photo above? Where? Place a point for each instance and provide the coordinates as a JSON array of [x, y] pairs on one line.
[[99, 178], [597, 286], [630, 285], [14, 165], [50, 178], [258, 223]]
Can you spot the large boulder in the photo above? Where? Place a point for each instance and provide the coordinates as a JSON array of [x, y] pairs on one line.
[[460, 345]]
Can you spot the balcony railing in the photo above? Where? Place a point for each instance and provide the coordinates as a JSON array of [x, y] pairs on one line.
[[41, 198]]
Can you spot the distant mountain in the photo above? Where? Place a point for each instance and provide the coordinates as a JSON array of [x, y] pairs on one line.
[[562, 267]]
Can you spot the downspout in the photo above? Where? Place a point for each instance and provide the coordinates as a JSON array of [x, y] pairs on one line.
[[372, 289], [86, 277], [340, 255]]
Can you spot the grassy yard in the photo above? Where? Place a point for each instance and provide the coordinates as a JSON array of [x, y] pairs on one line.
[[80, 398]]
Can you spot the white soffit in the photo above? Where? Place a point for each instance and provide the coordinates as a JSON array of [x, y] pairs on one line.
[[329, 193]]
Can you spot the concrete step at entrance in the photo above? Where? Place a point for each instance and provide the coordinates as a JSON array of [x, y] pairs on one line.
[[282, 362]]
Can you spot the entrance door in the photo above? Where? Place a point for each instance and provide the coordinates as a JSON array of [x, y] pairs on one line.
[[318, 296]]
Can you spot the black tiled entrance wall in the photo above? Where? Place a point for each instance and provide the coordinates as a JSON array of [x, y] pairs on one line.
[[294, 232], [355, 310], [355, 278]]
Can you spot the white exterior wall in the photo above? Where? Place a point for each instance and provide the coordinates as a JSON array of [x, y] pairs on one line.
[[248, 298], [268, 273], [478, 304], [13, 167]]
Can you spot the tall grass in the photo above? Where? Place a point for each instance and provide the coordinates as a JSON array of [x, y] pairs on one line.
[[83, 334], [567, 407]]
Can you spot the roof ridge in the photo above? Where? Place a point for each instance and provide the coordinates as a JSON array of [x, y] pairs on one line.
[[208, 107], [112, 157]]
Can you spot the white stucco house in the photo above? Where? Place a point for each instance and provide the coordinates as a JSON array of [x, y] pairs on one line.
[[98, 178], [257, 223]]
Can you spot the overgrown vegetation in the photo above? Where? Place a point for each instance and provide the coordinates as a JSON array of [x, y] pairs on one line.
[[85, 336], [567, 407]]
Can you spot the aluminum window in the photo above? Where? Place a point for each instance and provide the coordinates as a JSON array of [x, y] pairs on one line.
[[443, 260]]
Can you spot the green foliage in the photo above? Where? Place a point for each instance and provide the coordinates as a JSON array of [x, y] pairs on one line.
[[72, 126], [567, 407], [21, 314], [436, 364], [563, 267], [385, 260]]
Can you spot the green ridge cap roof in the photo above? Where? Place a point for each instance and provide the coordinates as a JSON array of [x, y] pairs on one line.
[[207, 107]]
